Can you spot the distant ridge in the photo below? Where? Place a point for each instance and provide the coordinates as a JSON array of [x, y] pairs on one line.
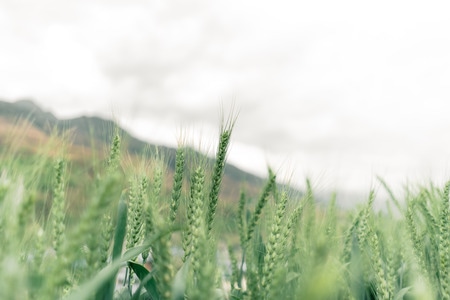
[[86, 128]]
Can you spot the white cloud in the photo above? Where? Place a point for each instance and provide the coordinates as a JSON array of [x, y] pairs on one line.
[[346, 89]]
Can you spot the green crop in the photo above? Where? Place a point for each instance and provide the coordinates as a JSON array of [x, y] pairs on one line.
[[138, 236]]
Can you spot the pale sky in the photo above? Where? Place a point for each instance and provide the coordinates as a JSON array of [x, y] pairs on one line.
[[340, 91]]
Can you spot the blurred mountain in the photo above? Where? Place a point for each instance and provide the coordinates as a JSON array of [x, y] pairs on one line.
[[88, 132]]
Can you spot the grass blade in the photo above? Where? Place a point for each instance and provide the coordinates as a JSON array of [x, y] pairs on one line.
[[143, 274]]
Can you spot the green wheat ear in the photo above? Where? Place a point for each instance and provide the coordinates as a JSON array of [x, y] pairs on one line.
[[114, 154], [62, 277], [275, 246], [241, 218], [202, 269], [180, 161], [268, 188], [219, 168], [195, 212], [136, 214], [58, 206], [163, 264], [444, 243]]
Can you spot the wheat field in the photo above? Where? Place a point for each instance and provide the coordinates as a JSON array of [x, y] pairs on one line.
[[135, 240]]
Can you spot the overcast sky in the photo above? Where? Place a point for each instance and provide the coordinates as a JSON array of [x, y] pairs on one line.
[[339, 91]]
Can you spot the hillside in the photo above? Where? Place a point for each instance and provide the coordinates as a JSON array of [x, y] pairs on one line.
[[24, 126], [85, 129]]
